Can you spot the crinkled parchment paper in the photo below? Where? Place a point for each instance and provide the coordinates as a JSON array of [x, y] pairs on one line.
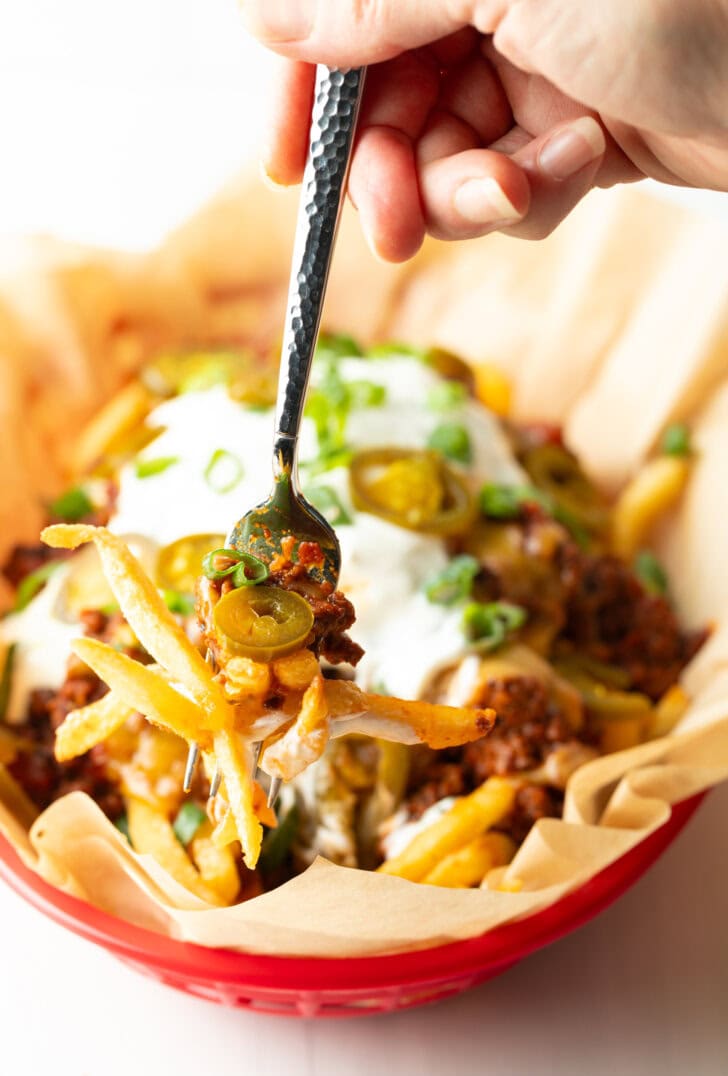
[[614, 326]]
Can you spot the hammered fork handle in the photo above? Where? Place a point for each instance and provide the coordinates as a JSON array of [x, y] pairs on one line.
[[337, 97]]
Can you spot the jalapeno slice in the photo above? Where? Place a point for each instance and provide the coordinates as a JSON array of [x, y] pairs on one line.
[[180, 563], [555, 471], [411, 488], [263, 623]]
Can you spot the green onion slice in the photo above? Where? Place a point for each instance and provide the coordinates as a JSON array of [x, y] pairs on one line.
[[676, 440], [489, 623], [277, 842], [149, 468], [34, 582], [452, 440], [245, 569], [650, 573], [189, 819], [122, 824], [454, 582], [224, 471], [179, 602], [447, 396], [72, 505]]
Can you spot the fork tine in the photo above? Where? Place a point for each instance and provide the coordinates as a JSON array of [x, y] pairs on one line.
[[192, 756], [215, 785], [274, 789], [257, 748]]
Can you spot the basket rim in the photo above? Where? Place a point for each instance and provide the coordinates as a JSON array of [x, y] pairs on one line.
[[501, 946]]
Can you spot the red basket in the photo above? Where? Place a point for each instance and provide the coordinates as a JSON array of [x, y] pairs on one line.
[[351, 987]]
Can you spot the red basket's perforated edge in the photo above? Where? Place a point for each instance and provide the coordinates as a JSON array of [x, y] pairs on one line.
[[329, 987]]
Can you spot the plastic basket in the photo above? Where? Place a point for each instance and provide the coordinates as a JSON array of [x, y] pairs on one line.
[[327, 987]]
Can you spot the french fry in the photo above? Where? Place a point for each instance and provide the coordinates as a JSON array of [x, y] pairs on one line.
[[90, 725], [144, 689], [467, 819], [152, 834], [217, 866], [405, 721], [493, 388], [234, 761], [469, 865], [621, 734], [126, 409], [668, 712], [305, 742], [226, 832], [652, 492], [148, 616]]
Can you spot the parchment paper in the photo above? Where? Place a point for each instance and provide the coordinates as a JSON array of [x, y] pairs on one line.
[[614, 326]]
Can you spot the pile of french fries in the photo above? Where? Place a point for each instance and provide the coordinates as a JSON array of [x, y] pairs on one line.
[[224, 713]]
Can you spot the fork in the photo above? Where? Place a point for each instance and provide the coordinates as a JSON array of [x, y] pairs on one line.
[[337, 98]]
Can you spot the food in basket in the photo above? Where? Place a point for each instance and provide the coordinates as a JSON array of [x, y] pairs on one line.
[[491, 582]]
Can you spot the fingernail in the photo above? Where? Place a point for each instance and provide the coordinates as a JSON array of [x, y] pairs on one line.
[[285, 20], [571, 148], [483, 201]]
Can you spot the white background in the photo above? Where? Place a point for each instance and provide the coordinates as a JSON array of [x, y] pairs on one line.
[[116, 119]]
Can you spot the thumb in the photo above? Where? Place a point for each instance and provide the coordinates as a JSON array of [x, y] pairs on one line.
[[347, 33]]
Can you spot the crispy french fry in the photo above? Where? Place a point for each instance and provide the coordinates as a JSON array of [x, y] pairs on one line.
[[493, 388], [152, 623], [152, 834], [468, 866], [217, 866], [467, 819], [306, 740], [145, 689], [90, 725], [234, 761], [297, 670], [405, 721], [126, 409], [226, 832], [668, 712], [652, 492], [619, 735]]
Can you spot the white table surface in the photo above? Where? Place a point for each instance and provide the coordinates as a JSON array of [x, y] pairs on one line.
[[116, 120], [640, 991]]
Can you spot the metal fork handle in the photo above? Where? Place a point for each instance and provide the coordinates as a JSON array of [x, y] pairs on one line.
[[337, 98]]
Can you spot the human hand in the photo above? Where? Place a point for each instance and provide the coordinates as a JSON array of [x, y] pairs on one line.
[[502, 114]]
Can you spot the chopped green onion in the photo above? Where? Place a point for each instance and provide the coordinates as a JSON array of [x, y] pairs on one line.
[[452, 440], [277, 842], [328, 502], [366, 394], [676, 440], [122, 824], [35, 581], [178, 602], [446, 396], [327, 461], [391, 348], [454, 582], [505, 502], [380, 688], [189, 819], [148, 468], [6, 679], [224, 471], [246, 570], [337, 346], [489, 623], [650, 573], [72, 505]]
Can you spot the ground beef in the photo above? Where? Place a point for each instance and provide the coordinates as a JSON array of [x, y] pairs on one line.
[[333, 614], [443, 779], [611, 617], [41, 776], [532, 802]]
